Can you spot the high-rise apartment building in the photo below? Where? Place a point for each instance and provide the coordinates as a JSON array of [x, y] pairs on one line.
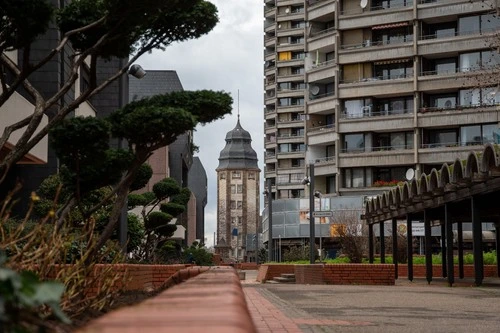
[[365, 90]]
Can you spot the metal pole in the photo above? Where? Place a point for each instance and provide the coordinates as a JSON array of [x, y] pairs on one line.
[[370, 243], [312, 240], [395, 247], [382, 241], [270, 220], [280, 248], [320, 236], [477, 242], [428, 247], [409, 246]]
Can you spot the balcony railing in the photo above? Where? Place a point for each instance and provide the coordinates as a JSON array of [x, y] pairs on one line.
[[330, 127], [320, 96], [456, 144], [292, 136], [365, 113], [375, 8], [323, 160], [322, 32], [369, 43], [457, 107], [457, 33], [376, 149], [380, 78], [324, 64]]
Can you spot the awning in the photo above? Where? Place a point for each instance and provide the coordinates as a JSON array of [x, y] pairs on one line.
[[389, 26], [392, 61]]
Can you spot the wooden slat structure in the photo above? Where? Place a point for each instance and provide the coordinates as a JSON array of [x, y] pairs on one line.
[[465, 191]]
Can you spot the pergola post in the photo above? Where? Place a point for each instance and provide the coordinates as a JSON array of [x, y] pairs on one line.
[[477, 242], [443, 249], [382, 242], [370, 243], [428, 247], [409, 246], [395, 247], [449, 245], [497, 245], [460, 245]]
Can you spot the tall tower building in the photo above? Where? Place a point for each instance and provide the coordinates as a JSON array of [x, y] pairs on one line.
[[238, 200], [365, 90]]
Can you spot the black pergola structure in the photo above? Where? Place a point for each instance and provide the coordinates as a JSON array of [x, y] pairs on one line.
[[465, 191]]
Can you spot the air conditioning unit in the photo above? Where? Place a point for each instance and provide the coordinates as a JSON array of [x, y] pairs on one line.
[[367, 110]]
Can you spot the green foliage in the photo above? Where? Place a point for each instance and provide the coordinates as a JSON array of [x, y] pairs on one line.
[[132, 25], [172, 209], [149, 196], [142, 177], [22, 21], [135, 233], [135, 200], [82, 145], [296, 253], [198, 254], [22, 294], [262, 255], [166, 188], [183, 197], [157, 220]]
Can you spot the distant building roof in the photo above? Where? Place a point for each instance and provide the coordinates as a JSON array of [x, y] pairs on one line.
[[238, 152], [155, 82]]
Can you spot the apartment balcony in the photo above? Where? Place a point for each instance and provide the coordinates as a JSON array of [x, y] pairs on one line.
[[290, 78], [370, 120], [270, 114], [323, 41], [270, 173], [15, 109], [322, 71], [270, 56], [290, 63], [290, 123], [320, 9], [270, 143], [325, 166], [269, 99], [282, 93], [270, 27], [270, 157], [379, 156], [291, 2], [458, 115], [290, 170], [290, 138], [443, 8], [270, 2], [359, 18], [271, 70], [269, 41], [292, 154], [372, 51], [291, 109], [376, 86], [322, 104], [429, 81], [270, 13], [290, 16], [321, 135], [445, 152], [269, 129], [456, 43], [289, 32], [291, 185], [290, 47]]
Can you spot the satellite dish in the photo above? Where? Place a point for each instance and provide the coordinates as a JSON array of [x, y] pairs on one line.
[[279, 26], [314, 90], [363, 3], [410, 173], [287, 10]]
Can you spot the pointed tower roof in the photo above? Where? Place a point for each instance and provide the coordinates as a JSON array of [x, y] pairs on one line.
[[238, 152]]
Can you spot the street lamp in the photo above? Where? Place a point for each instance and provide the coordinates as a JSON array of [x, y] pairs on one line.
[[269, 193], [138, 72], [318, 195], [312, 241]]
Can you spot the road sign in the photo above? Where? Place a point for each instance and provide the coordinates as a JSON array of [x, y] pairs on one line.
[[323, 213]]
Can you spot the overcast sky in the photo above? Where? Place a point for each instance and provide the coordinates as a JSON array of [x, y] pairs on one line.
[[229, 58]]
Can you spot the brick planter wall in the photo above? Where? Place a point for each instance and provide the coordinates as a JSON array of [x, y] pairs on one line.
[[210, 302], [268, 272], [382, 274], [309, 274], [419, 270]]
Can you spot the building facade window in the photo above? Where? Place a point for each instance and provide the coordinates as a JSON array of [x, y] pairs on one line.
[[357, 177], [354, 143], [239, 188], [239, 205], [233, 189], [233, 204], [236, 175], [251, 175], [222, 176], [393, 141]]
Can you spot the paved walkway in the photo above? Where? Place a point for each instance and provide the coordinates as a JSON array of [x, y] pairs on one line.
[[405, 307]]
